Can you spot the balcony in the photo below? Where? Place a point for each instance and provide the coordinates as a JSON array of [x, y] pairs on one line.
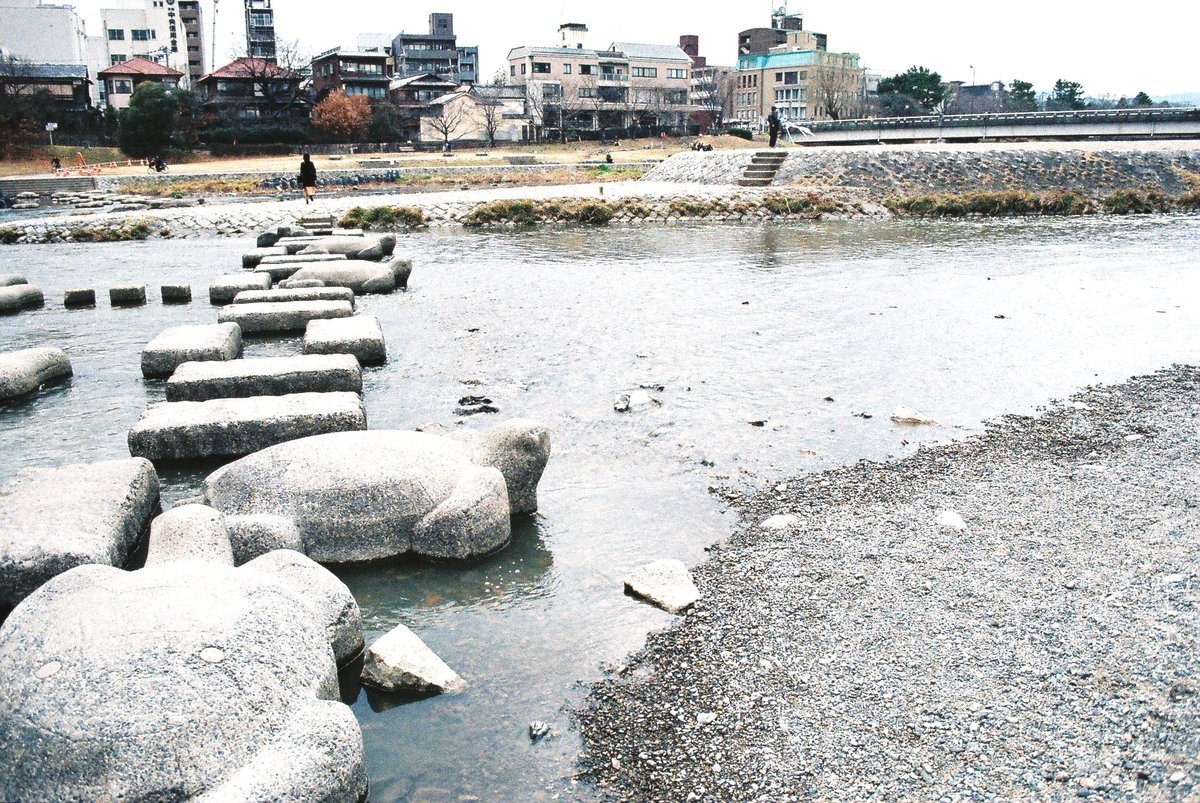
[[616, 78]]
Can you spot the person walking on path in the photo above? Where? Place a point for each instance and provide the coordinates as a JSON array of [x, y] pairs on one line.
[[308, 179], [773, 126]]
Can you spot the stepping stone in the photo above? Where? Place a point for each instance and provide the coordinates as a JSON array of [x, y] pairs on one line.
[[79, 298], [250, 259], [265, 376], [179, 344], [276, 296], [284, 316], [400, 662], [9, 279], [25, 371], [286, 266], [176, 293], [17, 297], [225, 288], [666, 583], [236, 427], [301, 259], [361, 336], [360, 276], [302, 284], [54, 519], [127, 295], [401, 269]]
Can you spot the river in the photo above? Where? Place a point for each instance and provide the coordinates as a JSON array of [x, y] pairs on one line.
[[778, 348]]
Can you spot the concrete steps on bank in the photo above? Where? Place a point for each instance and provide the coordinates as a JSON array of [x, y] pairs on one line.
[[763, 168], [46, 186]]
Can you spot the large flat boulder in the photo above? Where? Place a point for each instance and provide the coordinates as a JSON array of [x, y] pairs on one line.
[[180, 344], [285, 316], [225, 288], [280, 268], [362, 496], [265, 376], [233, 427], [361, 336], [17, 297], [360, 276], [183, 680], [295, 294], [667, 583], [54, 519], [371, 247], [25, 371]]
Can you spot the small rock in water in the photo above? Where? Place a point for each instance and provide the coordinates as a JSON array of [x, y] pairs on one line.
[[951, 520], [1132, 438], [779, 522], [634, 400], [666, 583], [400, 662], [762, 422], [907, 415], [538, 730], [705, 719]]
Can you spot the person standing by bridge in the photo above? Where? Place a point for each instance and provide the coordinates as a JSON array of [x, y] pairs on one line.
[[773, 126]]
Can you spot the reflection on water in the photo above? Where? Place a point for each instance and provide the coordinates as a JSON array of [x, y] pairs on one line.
[[737, 323]]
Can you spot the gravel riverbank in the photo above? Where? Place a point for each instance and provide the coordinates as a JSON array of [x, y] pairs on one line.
[[1048, 650]]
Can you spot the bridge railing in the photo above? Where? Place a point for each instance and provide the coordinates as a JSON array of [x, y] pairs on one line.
[[1007, 118]]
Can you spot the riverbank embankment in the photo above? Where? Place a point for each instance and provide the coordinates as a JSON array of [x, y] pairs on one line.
[[891, 170], [1010, 616]]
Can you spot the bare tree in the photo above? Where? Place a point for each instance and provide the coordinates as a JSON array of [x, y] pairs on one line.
[[448, 123], [837, 89], [491, 114], [535, 107], [713, 96], [574, 102]]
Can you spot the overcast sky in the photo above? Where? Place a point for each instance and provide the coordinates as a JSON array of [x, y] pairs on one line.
[[1111, 49]]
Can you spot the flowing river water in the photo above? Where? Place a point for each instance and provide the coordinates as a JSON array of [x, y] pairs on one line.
[[778, 348]]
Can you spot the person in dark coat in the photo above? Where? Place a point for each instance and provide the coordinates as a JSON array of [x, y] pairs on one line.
[[308, 179], [773, 126]]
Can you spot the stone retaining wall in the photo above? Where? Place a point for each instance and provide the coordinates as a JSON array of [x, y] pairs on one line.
[[909, 171]]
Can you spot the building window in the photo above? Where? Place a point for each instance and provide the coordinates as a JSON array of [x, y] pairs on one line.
[[522, 69], [566, 69], [643, 72], [541, 68], [551, 91], [677, 97], [587, 69], [512, 69], [587, 92], [791, 78], [119, 87], [116, 35], [116, 58], [677, 74], [141, 34], [779, 78]]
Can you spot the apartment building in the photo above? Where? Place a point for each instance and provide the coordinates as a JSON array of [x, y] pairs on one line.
[[167, 32], [66, 84], [572, 89], [250, 89], [38, 32], [437, 52], [260, 30], [711, 88], [355, 72], [799, 77]]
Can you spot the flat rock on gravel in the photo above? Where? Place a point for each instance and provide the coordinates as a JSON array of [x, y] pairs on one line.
[[1049, 651], [666, 583], [54, 519]]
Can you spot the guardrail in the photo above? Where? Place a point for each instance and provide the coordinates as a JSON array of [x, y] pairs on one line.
[[1008, 118]]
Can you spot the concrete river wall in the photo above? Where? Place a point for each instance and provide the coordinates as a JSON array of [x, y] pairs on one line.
[[886, 171]]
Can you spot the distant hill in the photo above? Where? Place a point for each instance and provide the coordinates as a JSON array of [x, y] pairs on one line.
[[1181, 99]]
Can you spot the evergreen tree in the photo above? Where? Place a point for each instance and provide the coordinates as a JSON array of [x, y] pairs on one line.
[[148, 125], [1022, 96], [918, 84]]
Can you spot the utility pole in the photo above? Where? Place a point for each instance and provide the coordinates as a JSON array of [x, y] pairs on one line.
[[213, 66]]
